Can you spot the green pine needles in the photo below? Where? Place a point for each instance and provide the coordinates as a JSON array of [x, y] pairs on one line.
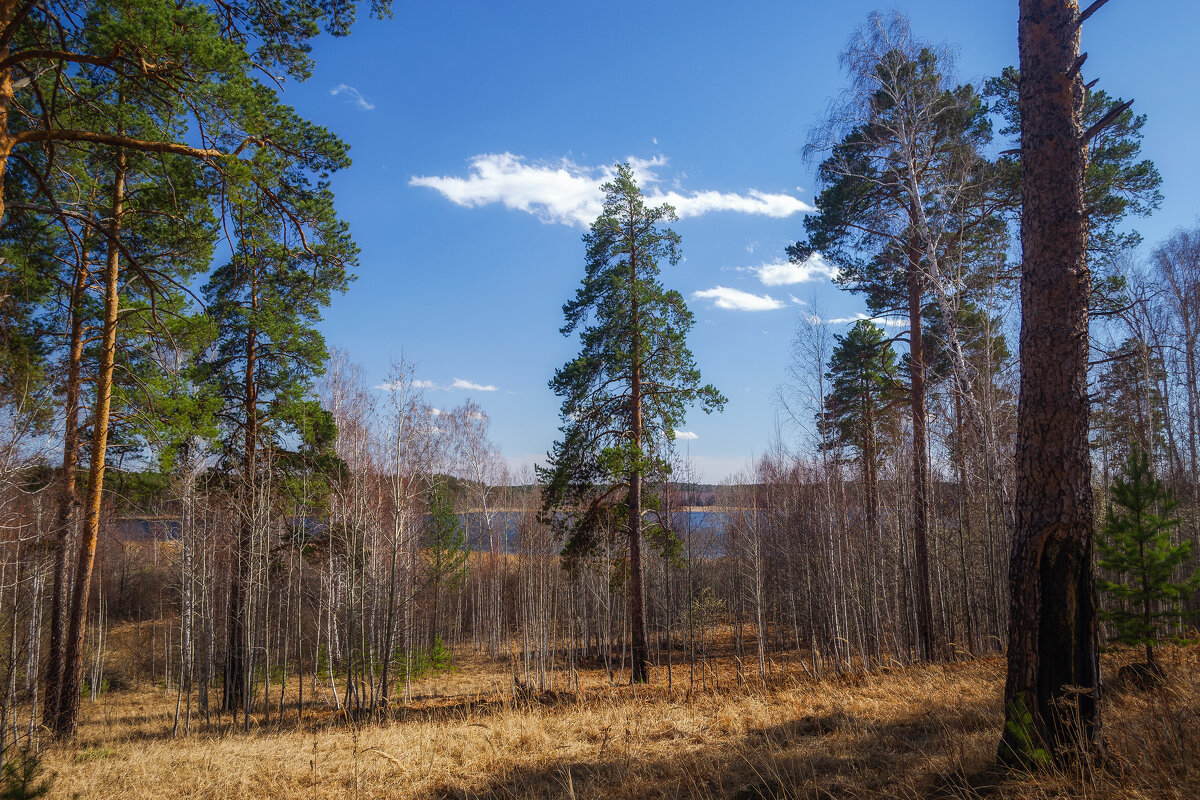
[[24, 777], [446, 546], [446, 549], [1135, 545], [626, 393]]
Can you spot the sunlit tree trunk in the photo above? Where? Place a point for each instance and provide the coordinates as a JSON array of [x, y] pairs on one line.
[[68, 498], [1053, 680], [67, 720]]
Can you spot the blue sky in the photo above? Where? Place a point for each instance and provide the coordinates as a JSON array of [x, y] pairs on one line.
[[479, 129]]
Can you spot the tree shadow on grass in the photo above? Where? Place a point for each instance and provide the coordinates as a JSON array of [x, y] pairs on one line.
[[141, 726], [833, 755]]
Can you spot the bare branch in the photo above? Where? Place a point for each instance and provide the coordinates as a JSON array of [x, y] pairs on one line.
[[1106, 120], [1074, 70], [1087, 12]]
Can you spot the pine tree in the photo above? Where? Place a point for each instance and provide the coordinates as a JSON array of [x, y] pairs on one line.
[[903, 183], [1052, 635], [625, 394], [199, 56], [1128, 410], [863, 387], [446, 548], [1116, 182], [265, 303], [1078, 176], [158, 234], [864, 391], [1135, 545]]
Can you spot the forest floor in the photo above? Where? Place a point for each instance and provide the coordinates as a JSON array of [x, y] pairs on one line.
[[926, 731]]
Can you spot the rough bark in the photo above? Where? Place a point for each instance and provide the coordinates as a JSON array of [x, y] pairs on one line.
[[870, 468], [639, 654], [926, 648], [1052, 687], [234, 694], [68, 499], [67, 720], [8, 17]]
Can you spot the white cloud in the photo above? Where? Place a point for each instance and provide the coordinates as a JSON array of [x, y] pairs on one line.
[[459, 383], [643, 169], [753, 202], [887, 322], [786, 273], [560, 194], [396, 386], [686, 435], [354, 96], [737, 300], [568, 193]]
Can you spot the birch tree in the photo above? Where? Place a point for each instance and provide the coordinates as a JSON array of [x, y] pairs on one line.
[[902, 182]]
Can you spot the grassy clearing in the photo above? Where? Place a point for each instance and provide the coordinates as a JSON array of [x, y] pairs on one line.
[[914, 732]]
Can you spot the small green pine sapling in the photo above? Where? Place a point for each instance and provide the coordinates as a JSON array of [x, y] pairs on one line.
[[1135, 546]]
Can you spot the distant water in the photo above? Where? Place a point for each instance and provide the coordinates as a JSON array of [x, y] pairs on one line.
[[703, 526]]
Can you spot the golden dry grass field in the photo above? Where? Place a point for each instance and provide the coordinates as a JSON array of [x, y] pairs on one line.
[[913, 732]]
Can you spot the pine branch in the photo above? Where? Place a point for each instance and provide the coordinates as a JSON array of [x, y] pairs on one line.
[[1087, 12]]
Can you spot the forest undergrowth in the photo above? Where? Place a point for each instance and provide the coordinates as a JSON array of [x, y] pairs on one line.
[[921, 731]]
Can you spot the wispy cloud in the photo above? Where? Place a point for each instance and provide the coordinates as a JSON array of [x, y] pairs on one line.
[[353, 96], [787, 273], [459, 383], [396, 386], [686, 435], [456, 385], [737, 300], [569, 194], [887, 322]]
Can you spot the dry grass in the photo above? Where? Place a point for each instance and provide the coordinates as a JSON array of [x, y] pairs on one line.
[[925, 731]]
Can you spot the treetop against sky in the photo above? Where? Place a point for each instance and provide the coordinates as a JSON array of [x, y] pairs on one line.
[[481, 134]]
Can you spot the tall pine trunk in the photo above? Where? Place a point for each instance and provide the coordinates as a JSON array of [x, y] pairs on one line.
[[68, 498], [67, 720], [1053, 666], [234, 695], [639, 654], [920, 466], [9, 9]]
